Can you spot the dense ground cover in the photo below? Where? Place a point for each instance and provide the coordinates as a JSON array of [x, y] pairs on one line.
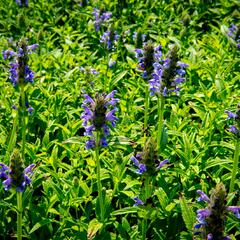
[[148, 155]]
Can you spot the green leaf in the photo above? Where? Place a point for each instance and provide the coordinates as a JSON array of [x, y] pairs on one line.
[[187, 213], [39, 224], [93, 228], [123, 211]]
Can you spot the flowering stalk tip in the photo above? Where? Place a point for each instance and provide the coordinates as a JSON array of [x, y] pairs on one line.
[[98, 116]]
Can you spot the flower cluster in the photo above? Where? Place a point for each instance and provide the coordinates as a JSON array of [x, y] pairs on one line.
[[109, 39], [234, 34], [98, 114], [15, 176], [88, 70], [22, 2], [100, 17], [147, 57], [137, 201], [20, 72], [147, 161], [211, 219], [167, 75], [235, 129]]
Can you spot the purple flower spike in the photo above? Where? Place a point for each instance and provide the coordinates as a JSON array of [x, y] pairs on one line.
[[98, 115], [20, 72], [137, 202], [203, 196]]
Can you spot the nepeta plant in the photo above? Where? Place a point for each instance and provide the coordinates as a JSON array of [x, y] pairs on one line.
[[168, 75], [101, 16], [166, 78], [147, 162], [20, 75], [98, 116], [211, 220], [17, 178], [109, 39], [20, 72], [147, 57]]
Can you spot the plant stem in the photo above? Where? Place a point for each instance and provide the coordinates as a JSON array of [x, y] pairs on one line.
[[100, 196], [144, 228], [235, 165], [160, 121], [146, 108], [19, 215], [106, 74], [12, 139], [23, 121], [147, 188]]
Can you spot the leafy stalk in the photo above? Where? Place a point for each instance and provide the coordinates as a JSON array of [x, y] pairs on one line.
[[235, 165]]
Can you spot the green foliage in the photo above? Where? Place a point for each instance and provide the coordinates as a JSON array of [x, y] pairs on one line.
[[62, 201]]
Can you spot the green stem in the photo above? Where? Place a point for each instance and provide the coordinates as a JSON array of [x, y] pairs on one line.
[[106, 74], [12, 139], [100, 196], [147, 188], [160, 121], [19, 215], [235, 165], [23, 121], [146, 108], [144, 228]]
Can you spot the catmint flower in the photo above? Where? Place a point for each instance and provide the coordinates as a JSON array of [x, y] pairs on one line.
[[16, 176], [234, 34], [137, 201], [98, 116], [168, 75], [109, 39], [88, 70], [235, 118], [20, 72], [147, 161], [111, 63], [147, 58], [235, 210], [211, 220], [203, 196], [22, 2], [101, 16]]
